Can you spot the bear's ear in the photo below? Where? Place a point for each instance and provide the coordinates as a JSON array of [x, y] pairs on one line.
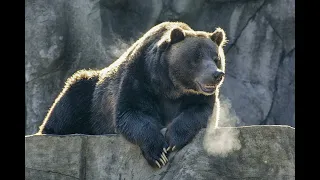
[[176, 35], [219, 37]]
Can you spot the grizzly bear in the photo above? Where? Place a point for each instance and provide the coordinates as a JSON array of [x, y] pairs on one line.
[[167, 80]]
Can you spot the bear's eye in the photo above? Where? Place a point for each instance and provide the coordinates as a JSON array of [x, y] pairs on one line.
[[216, 60]]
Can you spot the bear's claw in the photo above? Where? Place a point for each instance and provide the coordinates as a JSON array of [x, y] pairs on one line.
[[164, 149], [163, 163], [158, 164], [163, 159], [168, 149]]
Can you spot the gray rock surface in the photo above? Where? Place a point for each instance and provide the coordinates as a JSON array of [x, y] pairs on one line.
[[251, 152], [62, 37]]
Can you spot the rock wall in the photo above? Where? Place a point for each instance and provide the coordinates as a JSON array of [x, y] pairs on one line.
[[261, 152], [62, 37]]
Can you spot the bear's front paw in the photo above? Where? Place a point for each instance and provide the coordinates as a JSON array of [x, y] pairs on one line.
[[155, 152], [176, 139]]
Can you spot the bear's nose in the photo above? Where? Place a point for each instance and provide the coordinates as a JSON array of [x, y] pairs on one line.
[[218, 75]]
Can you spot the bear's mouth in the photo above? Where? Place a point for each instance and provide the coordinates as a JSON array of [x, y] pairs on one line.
[[207, 88]]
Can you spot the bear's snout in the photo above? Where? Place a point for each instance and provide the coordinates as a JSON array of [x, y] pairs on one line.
[[218, 75]]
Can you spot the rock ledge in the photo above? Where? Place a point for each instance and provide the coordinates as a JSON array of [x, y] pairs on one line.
[[263, 152]]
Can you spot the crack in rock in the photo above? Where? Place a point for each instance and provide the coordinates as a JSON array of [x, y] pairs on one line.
[[282, 57], [241, 31], [48, 171], [270, 24], [42, 75]]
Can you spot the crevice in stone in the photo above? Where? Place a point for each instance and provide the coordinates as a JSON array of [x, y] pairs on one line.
[[42, 75], [241, 31], [291, 51], [270, 24], [282, 57], [47, 171], [83, 158]]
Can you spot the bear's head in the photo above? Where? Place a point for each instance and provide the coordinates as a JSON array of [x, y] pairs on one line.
[[196, 61]]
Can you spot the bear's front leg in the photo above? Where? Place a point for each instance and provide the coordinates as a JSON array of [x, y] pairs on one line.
[[139, 129], [186, 125]]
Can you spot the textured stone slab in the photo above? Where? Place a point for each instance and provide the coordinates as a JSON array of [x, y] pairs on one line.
[[248, 152], [53, 157]]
